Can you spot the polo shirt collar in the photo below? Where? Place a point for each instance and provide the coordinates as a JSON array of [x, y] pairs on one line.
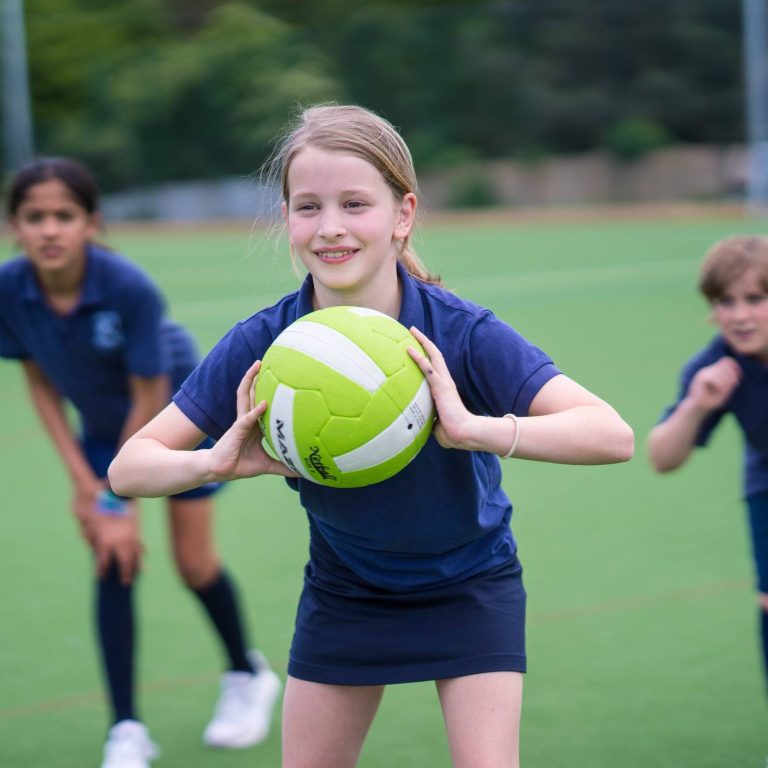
[[30, 286], [411, 308], [93, 288], [92, 292], [304, 304]]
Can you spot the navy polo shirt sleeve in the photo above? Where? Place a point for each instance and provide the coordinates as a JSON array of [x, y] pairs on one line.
[[704, 358], [503, 371], [208, 397], [142, 315], [11, 290], [10, 345]]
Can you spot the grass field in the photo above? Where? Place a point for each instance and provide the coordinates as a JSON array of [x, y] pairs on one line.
[[642, 622]]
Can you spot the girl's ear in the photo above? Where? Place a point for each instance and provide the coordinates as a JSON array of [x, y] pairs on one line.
[[94, 225], [284, 211], [406, 215]]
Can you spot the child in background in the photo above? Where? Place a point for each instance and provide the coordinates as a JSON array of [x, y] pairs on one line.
[[88, 327], [730, 375], [417, 577]]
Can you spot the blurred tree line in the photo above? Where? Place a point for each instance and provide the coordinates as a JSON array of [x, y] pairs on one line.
[[156, 90]]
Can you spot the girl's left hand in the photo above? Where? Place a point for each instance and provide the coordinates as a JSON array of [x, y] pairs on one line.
[[239, 452], [453, 419]]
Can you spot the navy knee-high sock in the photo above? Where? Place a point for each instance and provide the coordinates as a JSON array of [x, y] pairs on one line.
[[219, 598], [764, 635], [115, 626]]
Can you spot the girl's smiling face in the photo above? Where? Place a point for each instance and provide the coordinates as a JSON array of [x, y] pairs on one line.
[[53, 229], [346, 226], [742, 315]]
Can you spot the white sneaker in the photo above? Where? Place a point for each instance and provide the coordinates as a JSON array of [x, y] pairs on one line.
[[244, 711], [129, 746]]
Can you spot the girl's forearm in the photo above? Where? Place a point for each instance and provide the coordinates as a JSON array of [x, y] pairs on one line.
[[588, 434], [50, 411], [671, 442], [145, 467]]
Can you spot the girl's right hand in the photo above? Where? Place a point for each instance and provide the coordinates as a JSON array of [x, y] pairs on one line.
[[239, 452], [713, 385], [83, 502], [117, 540]]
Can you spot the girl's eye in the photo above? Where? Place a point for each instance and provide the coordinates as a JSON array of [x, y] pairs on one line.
[[724, 302], [355, 204], [756, 298]]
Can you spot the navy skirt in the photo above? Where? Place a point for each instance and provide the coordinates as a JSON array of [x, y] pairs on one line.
[[349, 632], [757, 507]]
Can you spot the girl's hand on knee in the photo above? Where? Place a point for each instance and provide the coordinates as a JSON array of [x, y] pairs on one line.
[[117, 539], [452, 427], [83, 500]]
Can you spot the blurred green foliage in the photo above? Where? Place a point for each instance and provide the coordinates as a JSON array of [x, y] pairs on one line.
[[155, 90], [631, 138], [472, 188]]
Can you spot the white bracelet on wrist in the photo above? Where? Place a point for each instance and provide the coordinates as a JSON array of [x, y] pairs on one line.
[[516, 438]]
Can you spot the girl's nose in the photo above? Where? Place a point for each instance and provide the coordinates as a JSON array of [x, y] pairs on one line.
[[50, 226], [331, 226], [741, 310]]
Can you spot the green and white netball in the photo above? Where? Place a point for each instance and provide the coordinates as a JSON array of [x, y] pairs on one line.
[[346, 405]]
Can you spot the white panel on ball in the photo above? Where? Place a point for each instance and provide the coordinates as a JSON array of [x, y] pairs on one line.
[[281, 427], [335, 350], [390, 441]]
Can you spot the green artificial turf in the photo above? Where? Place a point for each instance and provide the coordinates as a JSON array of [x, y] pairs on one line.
[[642, 635]]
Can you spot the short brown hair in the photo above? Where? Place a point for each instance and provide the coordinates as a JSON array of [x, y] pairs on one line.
[[728, 259]]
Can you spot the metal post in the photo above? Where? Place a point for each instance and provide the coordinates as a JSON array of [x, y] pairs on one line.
[[755, 25], [17, 120]]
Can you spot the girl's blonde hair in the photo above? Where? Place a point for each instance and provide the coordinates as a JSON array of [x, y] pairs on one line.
[[728, 259], [359, 132]]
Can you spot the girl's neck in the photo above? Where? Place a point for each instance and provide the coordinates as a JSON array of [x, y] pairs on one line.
[[387, 302], [62, 288], [382, 292]]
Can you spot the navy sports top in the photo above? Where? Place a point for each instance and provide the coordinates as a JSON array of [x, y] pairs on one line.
[[116, 330], [748, 403], [445, 516]]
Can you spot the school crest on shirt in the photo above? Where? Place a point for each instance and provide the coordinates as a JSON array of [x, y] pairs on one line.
[[107, 330]]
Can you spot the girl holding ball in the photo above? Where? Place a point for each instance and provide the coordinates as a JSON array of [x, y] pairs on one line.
[[414, 578]]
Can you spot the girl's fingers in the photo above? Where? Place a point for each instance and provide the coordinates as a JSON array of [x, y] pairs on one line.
[[278, 468], [251, 417], [245, 389], [432, 350], [126, 565], [102, 562], [420, 360]]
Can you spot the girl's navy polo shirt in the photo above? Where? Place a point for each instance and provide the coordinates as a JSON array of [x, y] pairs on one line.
[[748, 403], [116, 330], [445, 516]]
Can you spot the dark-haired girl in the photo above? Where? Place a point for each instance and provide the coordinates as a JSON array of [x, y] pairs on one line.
[[88, 327]]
